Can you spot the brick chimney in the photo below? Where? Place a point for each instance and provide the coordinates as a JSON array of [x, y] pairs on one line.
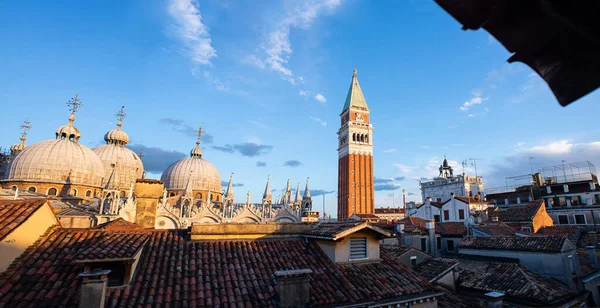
[[148, 193], [93, 288], [430, 226], [293, 288], [494, 299]]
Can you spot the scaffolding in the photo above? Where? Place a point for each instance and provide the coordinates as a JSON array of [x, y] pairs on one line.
[[569, 172]]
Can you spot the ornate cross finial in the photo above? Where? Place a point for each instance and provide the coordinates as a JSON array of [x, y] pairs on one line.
[[200, 131], [121, 115], [26, 126], [141, 154], [74, 104]]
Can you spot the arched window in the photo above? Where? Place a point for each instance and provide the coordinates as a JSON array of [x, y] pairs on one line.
[[367, 138], [88, 193], [172, 194], [198, 196], [52, 191], [31, 189], [362, 138], [73, 193], [14, 188]]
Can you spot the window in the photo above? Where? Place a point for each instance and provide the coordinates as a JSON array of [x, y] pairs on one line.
[[438, 199], [450, 245], [562, 201], [358, 248], [73, 193], [436, 218], [563, 219], [424, 244], [172, 194], [52, 191], [198, 196], [439, 243], [461, 214], [116, 277], [413, 261], [446, 215], [580, 219], [88, 193], [31, 189], [526, 229]]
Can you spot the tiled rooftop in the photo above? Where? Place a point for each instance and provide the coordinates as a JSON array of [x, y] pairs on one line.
[[14, 212], [389, 210], [113, 245], [540, 244], [470, 200], [512, 279], [335, 230], [173, 272], [451, 228], [520, 213], [451, 299], [585, 263], [576, 234], [495, 229], [367, 216], [434, 267], [413, 223], [118, 224]]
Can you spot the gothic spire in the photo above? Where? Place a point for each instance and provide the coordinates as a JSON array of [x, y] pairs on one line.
[[306, 191], [267, 194], [297, 200], [110, 184], [355, 97], [229, 193], [188, 187]]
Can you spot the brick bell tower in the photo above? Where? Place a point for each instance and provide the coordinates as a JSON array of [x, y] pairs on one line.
[[355, 156]]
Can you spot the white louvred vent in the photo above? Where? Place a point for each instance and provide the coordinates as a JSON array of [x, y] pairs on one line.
[[358, 248]]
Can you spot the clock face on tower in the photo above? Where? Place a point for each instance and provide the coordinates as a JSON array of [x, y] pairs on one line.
[[359, 117]]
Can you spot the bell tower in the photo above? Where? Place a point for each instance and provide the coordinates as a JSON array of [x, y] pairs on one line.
[[355, 156]]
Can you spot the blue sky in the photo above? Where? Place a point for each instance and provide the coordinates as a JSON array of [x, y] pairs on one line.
[[269, 79]]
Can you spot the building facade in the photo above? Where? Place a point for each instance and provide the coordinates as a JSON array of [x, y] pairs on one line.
[[355, 156], [446, 184]]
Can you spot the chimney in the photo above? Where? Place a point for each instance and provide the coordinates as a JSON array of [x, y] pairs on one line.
[[293, 288], [430, 226], [413, 262], [452, 195], [93, 288], [494, 299], [593, 239], [592, 254]]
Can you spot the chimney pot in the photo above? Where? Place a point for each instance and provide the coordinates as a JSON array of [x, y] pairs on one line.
[[494, 299], [93, 288], [592, 255], [293, 288]]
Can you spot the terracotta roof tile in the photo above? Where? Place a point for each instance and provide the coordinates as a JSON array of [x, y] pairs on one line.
[[173, 272], [542, 244], [585, 264], [495, 229], [434, 267], [367, 216], [512, 279], [519, 213], [114, 245], [14, 212], [413, 223], [389, 210], [451, 299], [451, 228], [118, 224], [334, 230]]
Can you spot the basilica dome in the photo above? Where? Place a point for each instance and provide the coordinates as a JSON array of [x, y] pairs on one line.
[[200, 173], [62, 160], [115, 155]]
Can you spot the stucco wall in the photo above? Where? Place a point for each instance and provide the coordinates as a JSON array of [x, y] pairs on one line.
[[76, 221], [542, 219], [15, 243], [339, 251], [147, 194]]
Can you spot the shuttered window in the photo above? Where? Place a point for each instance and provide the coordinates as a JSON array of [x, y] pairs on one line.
[[358, 248]]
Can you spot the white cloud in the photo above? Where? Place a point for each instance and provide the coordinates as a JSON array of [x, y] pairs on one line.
[[451, 126], [304, 93], [220, 86], [404, 168], [425, 147], [472, 102], [553, 148], [319, 97], [389, 151], [188, 28], [485, 111], [254, 61], [323, 123], [277, 46]]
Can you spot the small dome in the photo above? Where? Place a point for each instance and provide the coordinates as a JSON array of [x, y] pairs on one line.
[[116, 136], [57, 161], [196, 152], [16, 148], [445, 163], [68, 131], [203, 174], [128, 166]]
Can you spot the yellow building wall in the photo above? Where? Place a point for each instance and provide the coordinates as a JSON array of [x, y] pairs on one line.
[[542, 219], [16, 242], [147, 193]]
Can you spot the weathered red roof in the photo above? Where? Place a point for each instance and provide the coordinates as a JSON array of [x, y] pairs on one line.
[[113, 245], [173, 272], [541, 244], [451, 228], [336, 230], [435, 267], [367, 216], [118, 224], [495, 229], [524, 213], [512, 279], [14, 212], [413, 223]]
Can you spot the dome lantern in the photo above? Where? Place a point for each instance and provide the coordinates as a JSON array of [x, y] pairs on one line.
[[117, 136], [197, 152], [69, 131]]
